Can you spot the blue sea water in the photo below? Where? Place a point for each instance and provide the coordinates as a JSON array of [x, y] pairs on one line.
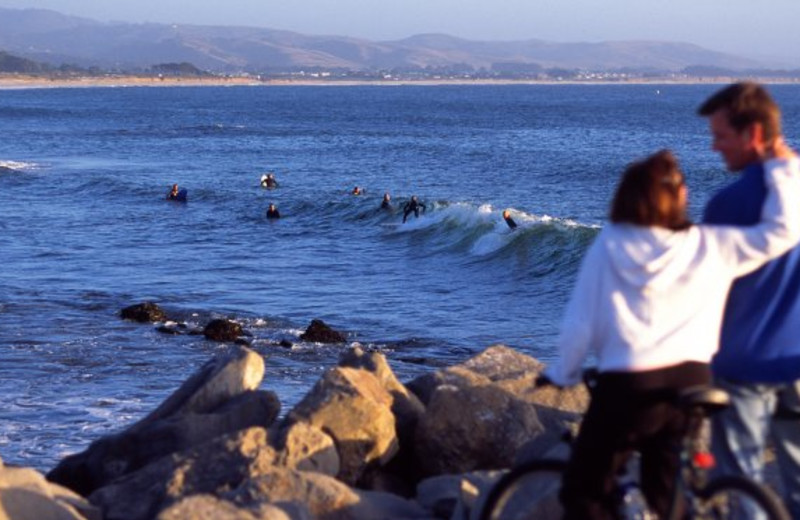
[[85, 229]]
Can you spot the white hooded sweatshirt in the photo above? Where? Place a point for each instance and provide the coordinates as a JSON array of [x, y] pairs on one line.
[[649, 297]]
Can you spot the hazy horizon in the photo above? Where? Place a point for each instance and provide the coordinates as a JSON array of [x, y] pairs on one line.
[[738, 27]]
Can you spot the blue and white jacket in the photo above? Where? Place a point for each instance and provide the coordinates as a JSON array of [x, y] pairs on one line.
[[760, 337]]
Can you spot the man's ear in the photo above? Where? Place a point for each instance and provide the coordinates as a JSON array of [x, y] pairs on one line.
[[754, 135]]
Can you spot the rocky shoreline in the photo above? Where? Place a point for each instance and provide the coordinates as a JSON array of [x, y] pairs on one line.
[[359, 445]]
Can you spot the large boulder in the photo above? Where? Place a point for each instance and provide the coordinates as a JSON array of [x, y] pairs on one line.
[[325, 497], [147, 312], [221, 397], [496, 364], [222, 330], [406, 407], [319, 332], [401, 473], [214, 467], [307, 448], [353, 408], [209, 507], [558, 409], [455, 496], [26, 495], [473, 427]]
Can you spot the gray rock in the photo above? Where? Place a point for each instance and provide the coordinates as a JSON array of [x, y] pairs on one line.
[[473, 427], [455, 497], [558, 410]]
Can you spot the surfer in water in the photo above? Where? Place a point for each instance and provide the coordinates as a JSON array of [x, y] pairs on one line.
[[412, 205], [509, 220], [272, 212], [358, 191], [268, 181], [176, 194], [387, 201]]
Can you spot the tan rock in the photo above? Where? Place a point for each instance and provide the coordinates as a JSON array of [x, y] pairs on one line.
[[215, 467], [26, 495], [209, 507], [307, 448], [353, 408], [401, 474], [405, 405], [325, 497]]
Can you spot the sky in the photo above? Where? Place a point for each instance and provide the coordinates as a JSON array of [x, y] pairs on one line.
[[750, 28]]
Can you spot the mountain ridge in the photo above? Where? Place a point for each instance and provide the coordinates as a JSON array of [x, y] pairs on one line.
[[52, 37]]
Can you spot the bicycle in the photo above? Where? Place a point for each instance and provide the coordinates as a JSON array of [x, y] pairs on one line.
[[530, 491]]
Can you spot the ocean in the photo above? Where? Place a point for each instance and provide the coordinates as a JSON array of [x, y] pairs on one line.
[[85, 229]]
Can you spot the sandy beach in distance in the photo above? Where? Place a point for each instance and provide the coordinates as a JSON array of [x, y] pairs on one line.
[[16, 81]]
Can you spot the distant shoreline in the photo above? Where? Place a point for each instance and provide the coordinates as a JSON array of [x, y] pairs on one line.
[[14, 81]]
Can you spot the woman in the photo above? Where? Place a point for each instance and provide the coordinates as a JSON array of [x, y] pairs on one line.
[[648, 304]]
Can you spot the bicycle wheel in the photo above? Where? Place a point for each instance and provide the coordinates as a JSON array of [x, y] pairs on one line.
[[526, 492], [739, 498]]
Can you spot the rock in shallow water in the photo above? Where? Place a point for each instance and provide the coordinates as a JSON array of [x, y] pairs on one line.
[[319, 332], [222, 330], [147, 312]]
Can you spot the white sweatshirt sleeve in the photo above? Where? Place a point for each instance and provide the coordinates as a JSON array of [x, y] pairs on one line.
[[578, 323], [746, 249]]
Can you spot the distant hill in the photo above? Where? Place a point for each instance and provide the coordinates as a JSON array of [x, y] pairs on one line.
[[15, 64], [53, 38]]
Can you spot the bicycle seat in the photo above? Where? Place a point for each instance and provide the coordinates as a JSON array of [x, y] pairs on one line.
[[709, 398]]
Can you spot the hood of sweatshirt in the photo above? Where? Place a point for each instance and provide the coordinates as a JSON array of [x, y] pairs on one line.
[[651, 258]]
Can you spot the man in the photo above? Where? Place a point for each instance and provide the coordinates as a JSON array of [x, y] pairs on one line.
[[413, 206], [177, 194], [759, 358], [272, 212], [386, 203], [268, 181], [510, 221]]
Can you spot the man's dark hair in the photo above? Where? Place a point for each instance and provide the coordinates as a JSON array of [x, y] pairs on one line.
[[746, 103], [648, 194]]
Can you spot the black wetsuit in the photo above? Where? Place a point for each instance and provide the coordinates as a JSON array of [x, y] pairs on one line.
[[179, 195], [273, 213], [510, 222], [414, 206]]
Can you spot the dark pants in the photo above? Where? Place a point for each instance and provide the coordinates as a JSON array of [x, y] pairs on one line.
[[629, 411]]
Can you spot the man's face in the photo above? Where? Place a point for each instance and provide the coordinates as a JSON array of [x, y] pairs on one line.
[[735, 147]]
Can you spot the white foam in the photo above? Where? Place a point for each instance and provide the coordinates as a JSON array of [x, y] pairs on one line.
[[497, 239], [18, 165]]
